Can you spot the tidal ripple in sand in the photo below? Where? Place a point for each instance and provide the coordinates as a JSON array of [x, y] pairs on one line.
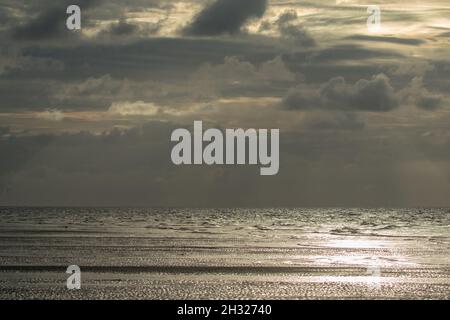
[[225, 253]]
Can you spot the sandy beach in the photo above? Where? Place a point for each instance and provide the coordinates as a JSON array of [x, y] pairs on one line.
[[225, 254]]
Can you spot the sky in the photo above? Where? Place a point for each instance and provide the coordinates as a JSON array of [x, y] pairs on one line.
[[86, 116]]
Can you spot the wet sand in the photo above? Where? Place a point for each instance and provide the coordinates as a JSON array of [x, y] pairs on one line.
[[224, 255]]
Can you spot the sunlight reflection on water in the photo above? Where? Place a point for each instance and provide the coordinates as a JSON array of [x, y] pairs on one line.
[[355, 243]]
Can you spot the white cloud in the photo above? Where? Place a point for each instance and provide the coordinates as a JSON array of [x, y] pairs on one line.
[[138, 108], [51, 115]]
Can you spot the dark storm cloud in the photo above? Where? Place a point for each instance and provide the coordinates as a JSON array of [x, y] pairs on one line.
[[375, 94], [226, 16]]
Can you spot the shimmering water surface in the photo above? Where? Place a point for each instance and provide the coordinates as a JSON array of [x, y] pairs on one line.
[[225, 253]]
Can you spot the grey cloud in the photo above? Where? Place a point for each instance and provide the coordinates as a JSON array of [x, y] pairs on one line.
[[6, 16], [416, 93], [330, 158], [334, 121], [4, 130], [133, 167], [351, 52], [287, 17], [18, 151], [375, 94], [226, 17], [412, 67], [429, 102], [18, 65], [128, 30], [118, 167], [235, 77], [297, 35], [292, 31], [159, 58], [25, 95], [40, 75], [396, 40], [123, 28], [50, 23]]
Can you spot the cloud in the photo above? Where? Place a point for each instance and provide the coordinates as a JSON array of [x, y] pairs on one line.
[[127, 30], [4, 131], [16, 64], [226, 17], [429, 102], [445, 34], [6, 15], [113, 77], [50, 23], [289, 29], [326, 121], [123, 167], [151, 58], [415, 68], [51, 115], [375, 94], [123, 28], [101, 86], [351, 52], [417, 94], [138, 108], [235, 70], [292, 32], [395, 40], [238, 77]]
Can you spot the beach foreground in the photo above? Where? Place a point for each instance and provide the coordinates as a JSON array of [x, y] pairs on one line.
[[225, 253]]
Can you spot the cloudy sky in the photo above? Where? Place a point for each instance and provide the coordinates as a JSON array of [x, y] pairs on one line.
[[86, 116]]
